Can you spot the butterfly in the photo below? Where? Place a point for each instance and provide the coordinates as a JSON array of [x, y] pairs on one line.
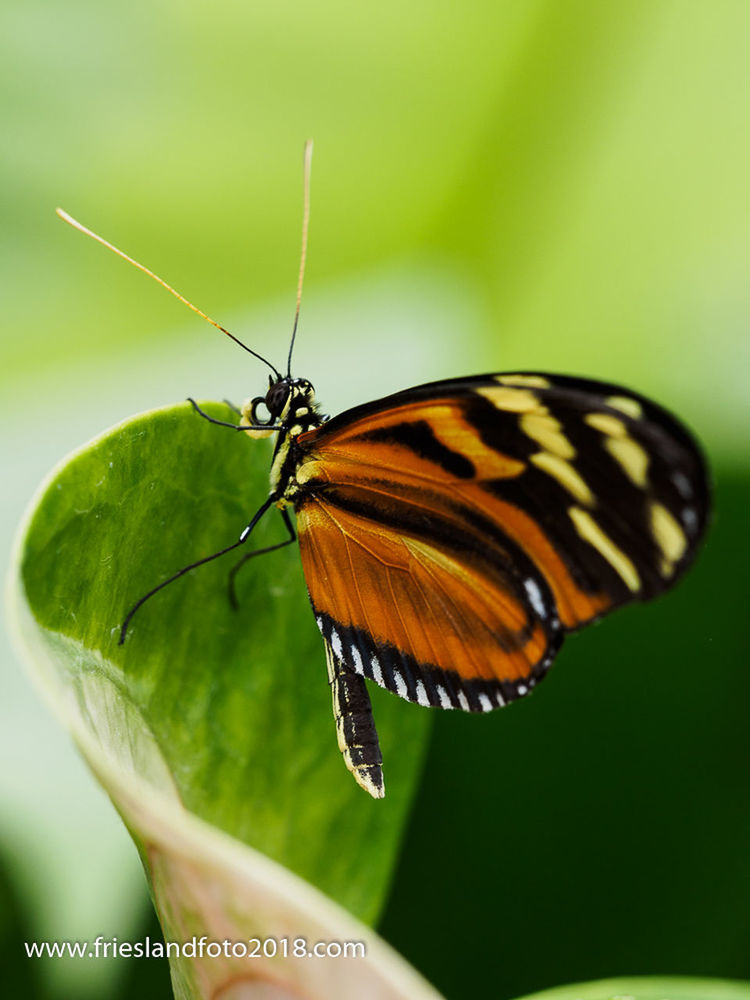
[[453, 534]]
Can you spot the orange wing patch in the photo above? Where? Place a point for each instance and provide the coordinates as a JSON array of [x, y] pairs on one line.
[[417, 619]]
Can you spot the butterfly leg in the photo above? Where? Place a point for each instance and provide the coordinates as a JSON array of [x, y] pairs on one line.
[[258, 552], [225, 423], [231, 406], [355, 726], [186, 569]]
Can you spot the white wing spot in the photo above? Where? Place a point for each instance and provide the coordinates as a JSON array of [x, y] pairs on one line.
[[683, 485], [485, 702], [401, 689], [690, 519], [445, 701], [499, 699], [357, 661], [377, 673], [319, 620], [535, 596], [522, 689], [336, 644], [463, 701], [422, 694]]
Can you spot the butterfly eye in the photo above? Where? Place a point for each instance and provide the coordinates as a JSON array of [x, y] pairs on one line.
[[276, 398]]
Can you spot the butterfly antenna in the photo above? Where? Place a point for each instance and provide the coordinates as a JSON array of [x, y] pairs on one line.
[[303, 255], [87, 232]]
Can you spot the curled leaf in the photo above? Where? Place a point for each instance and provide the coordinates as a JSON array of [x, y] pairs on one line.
[[211, 728]]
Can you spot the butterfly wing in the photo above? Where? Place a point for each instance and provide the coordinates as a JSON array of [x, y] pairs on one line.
[[424, 602], [451, 533]]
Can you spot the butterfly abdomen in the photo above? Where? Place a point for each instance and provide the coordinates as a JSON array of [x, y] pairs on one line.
[[355, 726]]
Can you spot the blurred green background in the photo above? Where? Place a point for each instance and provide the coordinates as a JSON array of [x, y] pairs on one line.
[[536, 184]]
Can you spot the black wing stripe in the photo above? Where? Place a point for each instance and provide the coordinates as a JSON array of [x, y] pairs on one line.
[[419, 436]]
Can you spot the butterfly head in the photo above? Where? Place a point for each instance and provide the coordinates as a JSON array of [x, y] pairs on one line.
[[289, 402]]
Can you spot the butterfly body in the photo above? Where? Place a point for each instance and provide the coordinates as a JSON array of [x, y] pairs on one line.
[[453, 533]]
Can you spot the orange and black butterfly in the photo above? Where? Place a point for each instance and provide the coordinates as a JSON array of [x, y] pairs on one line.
[[452, 534]]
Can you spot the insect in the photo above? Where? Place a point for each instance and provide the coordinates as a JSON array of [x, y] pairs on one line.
[[452, 534]]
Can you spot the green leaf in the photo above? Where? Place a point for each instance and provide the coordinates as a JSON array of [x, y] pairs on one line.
[[206, 716], [650, 988]]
